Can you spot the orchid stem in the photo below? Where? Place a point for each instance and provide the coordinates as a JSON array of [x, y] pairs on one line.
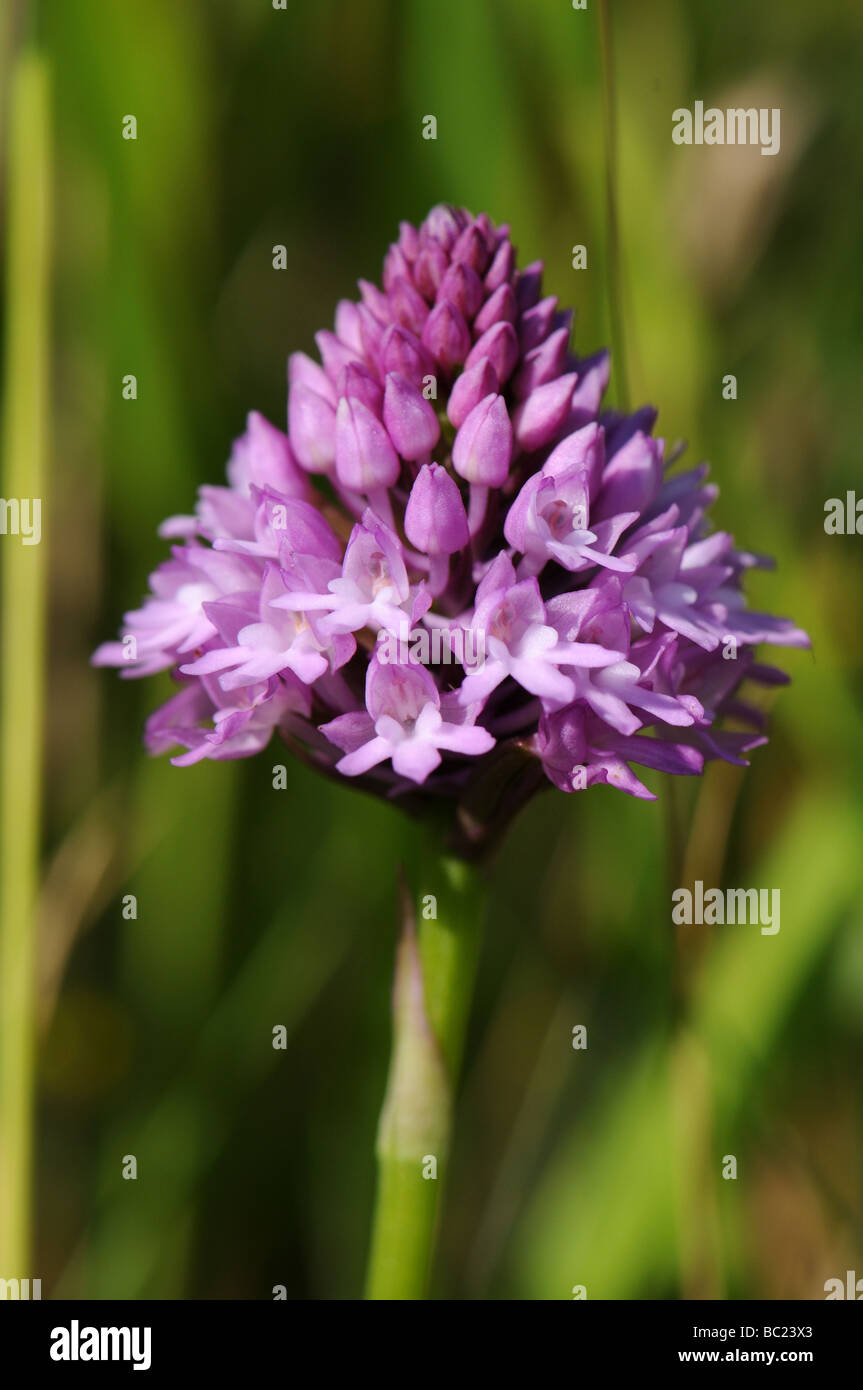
[[435, 973]]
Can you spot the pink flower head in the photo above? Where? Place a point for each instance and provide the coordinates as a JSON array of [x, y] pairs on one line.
[[568, 608]]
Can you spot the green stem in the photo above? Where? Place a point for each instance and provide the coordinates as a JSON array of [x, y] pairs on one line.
[[615, 273], [435, 973], [25, 412]]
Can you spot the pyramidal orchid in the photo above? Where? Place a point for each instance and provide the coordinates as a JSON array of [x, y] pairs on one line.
[[449, 471]]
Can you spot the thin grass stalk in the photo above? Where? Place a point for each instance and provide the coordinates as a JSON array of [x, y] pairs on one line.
[[22, 638]]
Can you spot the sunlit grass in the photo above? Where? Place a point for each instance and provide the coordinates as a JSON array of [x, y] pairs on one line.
[[26, 411]]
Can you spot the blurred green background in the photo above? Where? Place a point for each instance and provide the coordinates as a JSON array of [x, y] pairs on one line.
[[259, 907]]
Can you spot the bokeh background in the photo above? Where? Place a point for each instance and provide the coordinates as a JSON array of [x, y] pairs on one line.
[[259, 907]]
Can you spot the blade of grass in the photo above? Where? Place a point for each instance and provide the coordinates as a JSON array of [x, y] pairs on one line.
[[615, 281], [25, 417]]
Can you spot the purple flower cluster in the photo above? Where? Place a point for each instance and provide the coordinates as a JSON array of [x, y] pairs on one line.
[[466, 480]]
